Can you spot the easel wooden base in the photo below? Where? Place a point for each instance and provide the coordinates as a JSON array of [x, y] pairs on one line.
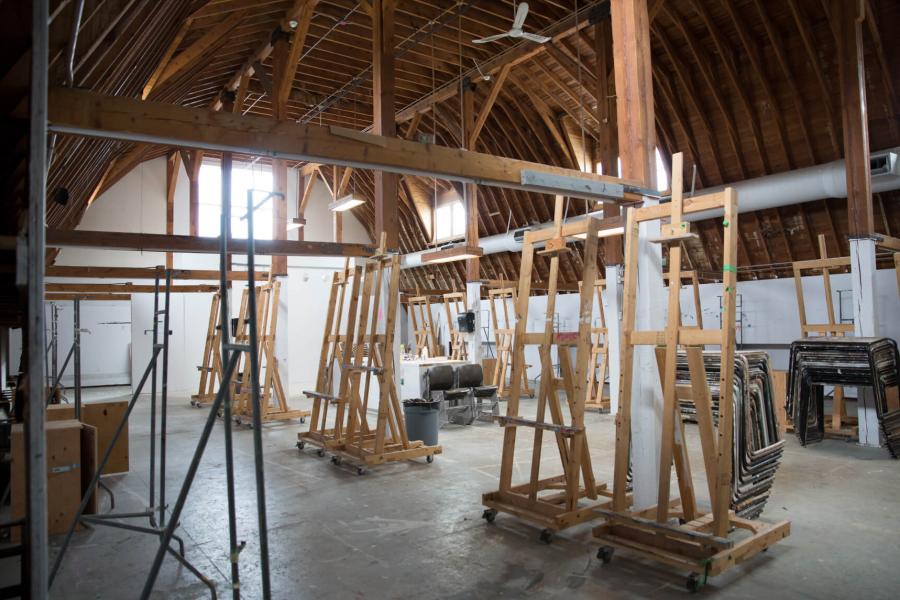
[[363, 454], [601, 406], [550, 512], [691, 546]]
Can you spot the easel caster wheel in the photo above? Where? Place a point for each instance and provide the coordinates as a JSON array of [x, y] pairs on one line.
[[693, 583], [336, 459], [546, 536], [320, 452], [605, 554], [489, 515], [360, 470], [303, 419], [429, 458], [301, 445]]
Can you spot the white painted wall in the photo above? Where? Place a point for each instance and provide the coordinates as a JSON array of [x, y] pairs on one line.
[[137, 204]]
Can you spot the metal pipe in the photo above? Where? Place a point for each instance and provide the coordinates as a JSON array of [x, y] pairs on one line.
[[224, 323], [151, 502], [36, 545], [164, 403], [76, 344], [770, 191], [169, 530], [257, 416], [73, 43]]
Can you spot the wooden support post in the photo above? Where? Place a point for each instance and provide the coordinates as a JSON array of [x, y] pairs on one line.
[[192, 161], [847, 17], [634, 90], [279, 212], [173, 162], [386, 184], [608, 145], [470, 135]]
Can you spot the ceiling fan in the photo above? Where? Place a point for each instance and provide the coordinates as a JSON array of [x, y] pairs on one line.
[[516, 31]]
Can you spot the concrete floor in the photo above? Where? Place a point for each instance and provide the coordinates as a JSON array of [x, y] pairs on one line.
[[414, 530]]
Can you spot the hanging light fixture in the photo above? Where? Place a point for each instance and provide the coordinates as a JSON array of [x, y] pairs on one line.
[[452, 253], [346, 203]]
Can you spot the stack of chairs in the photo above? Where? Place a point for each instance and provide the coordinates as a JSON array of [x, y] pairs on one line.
[[848, 362], [463, 397], [758, 446]]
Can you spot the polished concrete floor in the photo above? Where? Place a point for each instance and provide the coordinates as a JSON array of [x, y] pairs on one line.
[[414, 530]]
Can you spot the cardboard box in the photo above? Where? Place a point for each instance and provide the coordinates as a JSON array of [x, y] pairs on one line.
[[105, 416], [71, 458]]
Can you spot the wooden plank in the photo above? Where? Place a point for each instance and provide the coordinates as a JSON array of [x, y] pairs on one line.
[[124, 288], [94, 272], [87, 297], [386, 183], [114, 240], [634, 89], [79, 112], [847, 18]]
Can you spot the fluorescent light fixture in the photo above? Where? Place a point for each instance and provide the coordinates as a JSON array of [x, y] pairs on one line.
[[453, 253], [603, 233], [345, 203], [296, 223]]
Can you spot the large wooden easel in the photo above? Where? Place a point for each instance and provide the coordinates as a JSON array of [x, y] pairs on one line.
[[423, 326], [599, 357], [455, 305], [211, 367], [559, 501], [499, 301], [842, 426], [367, 358], [697, 541], [273, 400], [337, 340]]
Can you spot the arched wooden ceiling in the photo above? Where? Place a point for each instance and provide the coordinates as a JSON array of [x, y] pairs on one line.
[[743, 87]]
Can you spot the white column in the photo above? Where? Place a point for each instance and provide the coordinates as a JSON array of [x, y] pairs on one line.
[[646, 391], [612, 303], [474, 339], [865, 318]]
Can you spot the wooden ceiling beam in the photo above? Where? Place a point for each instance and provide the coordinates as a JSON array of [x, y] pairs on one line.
[[80, 112], [156, 242], [95, 272], [124, 288]]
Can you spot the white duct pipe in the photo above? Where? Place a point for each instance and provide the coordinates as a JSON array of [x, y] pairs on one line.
[[782, 189]]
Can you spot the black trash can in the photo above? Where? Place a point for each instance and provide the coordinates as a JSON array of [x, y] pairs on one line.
[[422, 420]]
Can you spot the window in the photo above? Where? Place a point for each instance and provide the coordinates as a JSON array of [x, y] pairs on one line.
[[243, 178], [449, 219]]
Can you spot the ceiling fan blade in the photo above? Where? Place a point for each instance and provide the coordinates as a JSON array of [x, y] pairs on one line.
[[521, 13], [540, 39], [490, 38]]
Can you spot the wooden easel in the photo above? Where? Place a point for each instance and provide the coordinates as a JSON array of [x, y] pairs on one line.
[[555, 502], [337, 340], [599, 357], [423, 326], [503, 338], [691, 276], [273, 400], [369, 359], [842, 426], [211, 368], [697, 541], [455, 305]]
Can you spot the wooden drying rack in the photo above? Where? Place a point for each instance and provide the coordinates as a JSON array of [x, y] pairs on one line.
[[599, 357], [503, 339], [842, 426], [211, 367], [699, 541], [455, 305], [362, 356], [423, 326], [559, 501]]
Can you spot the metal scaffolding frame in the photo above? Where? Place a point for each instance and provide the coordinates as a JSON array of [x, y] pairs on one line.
[[155, 512], [31, 277]]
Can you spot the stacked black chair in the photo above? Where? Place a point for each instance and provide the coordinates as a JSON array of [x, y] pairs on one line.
[[757, 444], [486, 405], [849, 362], [456, 403]]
